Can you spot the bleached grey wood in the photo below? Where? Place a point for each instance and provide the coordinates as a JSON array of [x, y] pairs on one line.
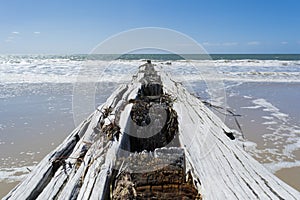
[[224, 169]]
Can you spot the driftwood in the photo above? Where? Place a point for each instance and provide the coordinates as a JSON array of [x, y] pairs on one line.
[[111, 155]]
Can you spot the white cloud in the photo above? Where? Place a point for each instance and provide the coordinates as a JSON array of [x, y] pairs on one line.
[[253, 43], [220, 44], [9, 39], [12, 37], [210, 44], [37, 32], [230, 44], [283, 42]]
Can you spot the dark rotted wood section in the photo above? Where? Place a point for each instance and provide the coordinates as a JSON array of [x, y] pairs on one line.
[[154, 175], [155, 169], [151, 139]]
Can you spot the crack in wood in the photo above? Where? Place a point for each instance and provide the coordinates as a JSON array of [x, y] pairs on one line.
[[87, 165]]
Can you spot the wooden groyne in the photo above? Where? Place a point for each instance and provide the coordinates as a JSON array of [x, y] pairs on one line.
[[151, 140]]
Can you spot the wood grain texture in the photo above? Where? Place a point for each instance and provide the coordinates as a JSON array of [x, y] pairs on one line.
[[85, 165]]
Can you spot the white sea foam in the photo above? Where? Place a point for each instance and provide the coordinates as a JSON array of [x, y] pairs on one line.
[[280, 139], [267, 117], [269, 123], [239, 70], [65, 71], [14, 173], [251, 107], [62, 70], [247, 97], [268, 107], [294, 144], [249, 146], [274, 167], [1, 127]]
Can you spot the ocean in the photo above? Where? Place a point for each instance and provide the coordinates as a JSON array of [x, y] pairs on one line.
[[43, 98]]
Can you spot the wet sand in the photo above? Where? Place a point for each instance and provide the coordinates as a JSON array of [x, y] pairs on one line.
[[34, 124], [276, 135], [290, 176], [34, 120], [270, 120], [6, 187]]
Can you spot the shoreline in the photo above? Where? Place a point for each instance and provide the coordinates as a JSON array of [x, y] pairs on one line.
[[60, 102]]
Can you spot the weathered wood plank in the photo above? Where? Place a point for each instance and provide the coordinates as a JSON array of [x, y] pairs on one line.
[[84, 165], [224, 168]]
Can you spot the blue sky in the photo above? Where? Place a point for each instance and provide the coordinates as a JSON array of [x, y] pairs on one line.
[[223, 26]]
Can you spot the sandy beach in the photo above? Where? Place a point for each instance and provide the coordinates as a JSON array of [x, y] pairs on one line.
[[34, 121], [270, 119], [60, 62], [36, 124], [36, 117]]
